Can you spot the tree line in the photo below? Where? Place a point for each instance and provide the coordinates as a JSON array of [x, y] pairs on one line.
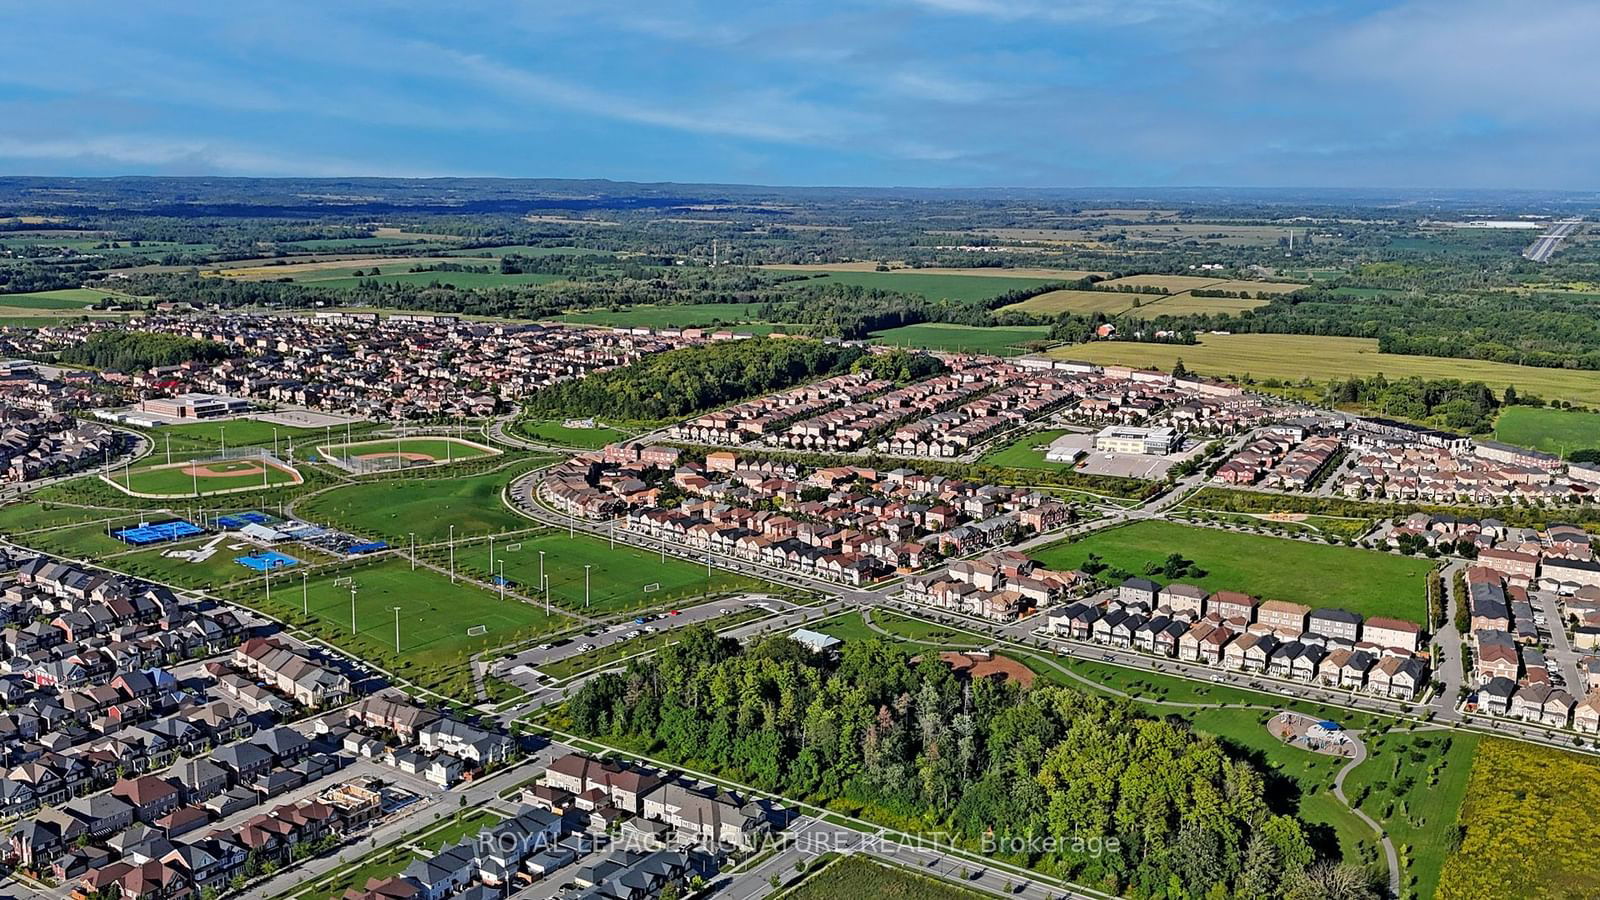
[[1076, 785]]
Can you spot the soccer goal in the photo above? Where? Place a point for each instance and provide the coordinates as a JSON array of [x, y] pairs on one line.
[[512, 548], [652, 587], [344, 581], [477, 631]]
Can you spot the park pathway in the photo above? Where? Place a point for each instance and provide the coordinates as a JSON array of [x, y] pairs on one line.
[[1389, 854]]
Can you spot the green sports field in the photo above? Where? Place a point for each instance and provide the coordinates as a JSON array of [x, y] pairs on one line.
[[582, 438], [1025, 452], [1002, 341], [206, 477], [1558, 431], [393, 509], [427, 450], [201, 436], [617, 576], [434, 617], [1361, 581]]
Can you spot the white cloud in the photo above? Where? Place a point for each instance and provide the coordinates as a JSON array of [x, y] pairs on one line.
[[178, 156]]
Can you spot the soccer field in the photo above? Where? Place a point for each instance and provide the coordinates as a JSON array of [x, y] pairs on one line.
[[434, 618], [393, 509], [1361, 581], [617, 576]]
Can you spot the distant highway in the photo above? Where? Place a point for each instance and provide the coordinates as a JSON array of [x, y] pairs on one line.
[[1547, 243]]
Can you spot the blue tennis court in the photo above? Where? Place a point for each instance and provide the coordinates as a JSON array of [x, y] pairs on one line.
[[156, 533], [240, 520], [266, 559]]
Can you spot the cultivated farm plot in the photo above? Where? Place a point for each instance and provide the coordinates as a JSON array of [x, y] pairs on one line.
[[463, 280], [1293, 357], [388, 454], [1179, 283], [1186, 304], [935, 285], [69, 298], [202, 477], [1270, 568], [618, 576], [1009, 340], [687, 315], [434, 617], [1083, 303], [324, 268]]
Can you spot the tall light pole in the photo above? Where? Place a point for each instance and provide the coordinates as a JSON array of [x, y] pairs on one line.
[[396, 630], [274, 441], [222, 433], [546, 581], [491, 554], [413, 551], [613, 534], [305, 595], [266, 576], [502, 579], [452, 554], [352, 609], [585, 587], [541, 567], [169, 448]]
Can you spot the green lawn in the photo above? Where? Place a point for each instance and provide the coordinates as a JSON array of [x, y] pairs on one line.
[[243, 433], [579, 663], [1558, 431], [394, 508], [1003, 341], [528, 250], [617, 576], [29, 515], [582, 438], [1414, 782], [864, 878], [87, 541], [216, 570], [434, 617], [1361, 581], [440, 450], [391, 859], [1026, 452]]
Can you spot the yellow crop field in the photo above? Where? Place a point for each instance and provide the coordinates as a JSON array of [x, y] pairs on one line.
[[987, 272], [1080, 302], [1173, 283], [289, 270], [1187, 304], [1293, 356]]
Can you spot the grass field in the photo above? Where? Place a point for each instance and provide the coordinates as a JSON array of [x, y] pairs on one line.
[[560, 435], [204, 477], [393, 509], [1293, 357], [1026, 452], [28, 515], [1531, 825], [528, 250], [434, 617], [1081, 302], [402, 275], [688, 315], [1002, 341], [243, 433], [863, 878], [1414, 783], [70, 298], [1557, 431], [935, 285], [216, 570], [618, 575], [1188, 304], [414, 450], [1361, 581]]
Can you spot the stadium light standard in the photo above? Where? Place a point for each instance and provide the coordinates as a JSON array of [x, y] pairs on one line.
[[266, 576], [352, 609], [305, 596], [613, 534], [546, 581], [396, 630], [274, 440], [413, 551], [452, 554], [541, 567], [222, 433], [585, 587], [491, 554], [502, 579], [169, 448]]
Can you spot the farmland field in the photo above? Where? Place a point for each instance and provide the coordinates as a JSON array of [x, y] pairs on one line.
[[434, 617], [866, 879], [688, 315], [1186, 304], [618, 575], [392, 509], [1530, 824], [465, 280], [1551, 430], [934, 286], [528, 250], [984, 272], [1361, 581], [1003, 341], [1293, 357], [70, 298], [1080, 302]]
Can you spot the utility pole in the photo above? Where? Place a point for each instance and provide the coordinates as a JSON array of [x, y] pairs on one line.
[[585, 587]]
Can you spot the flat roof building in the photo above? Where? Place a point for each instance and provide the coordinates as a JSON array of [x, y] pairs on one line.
[[1129, 439]]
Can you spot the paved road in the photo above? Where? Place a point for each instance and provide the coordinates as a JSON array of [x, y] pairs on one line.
[[1546, 244]]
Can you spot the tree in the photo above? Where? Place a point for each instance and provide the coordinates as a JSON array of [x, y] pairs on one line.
[[1330, 881], [1179, 370]]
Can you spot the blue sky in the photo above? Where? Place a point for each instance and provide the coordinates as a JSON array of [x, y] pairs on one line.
[[1361, 93]]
